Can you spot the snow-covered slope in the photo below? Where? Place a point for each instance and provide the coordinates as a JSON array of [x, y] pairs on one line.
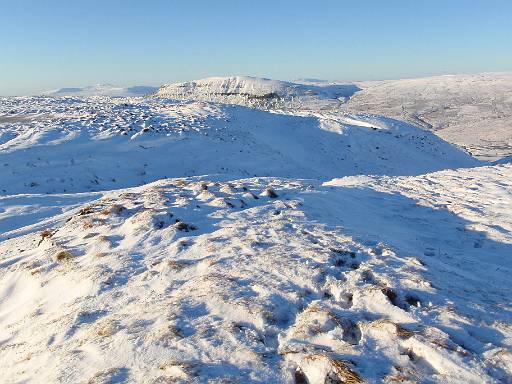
[[473, 111], [103, 90], [378, 280], [76, 145], [260, 93]]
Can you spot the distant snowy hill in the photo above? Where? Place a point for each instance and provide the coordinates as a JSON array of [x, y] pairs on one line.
[[259, 92], [103, 90], [473, 111]]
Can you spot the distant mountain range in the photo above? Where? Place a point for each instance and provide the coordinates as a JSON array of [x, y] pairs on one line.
[[471, 111], [103, 90]]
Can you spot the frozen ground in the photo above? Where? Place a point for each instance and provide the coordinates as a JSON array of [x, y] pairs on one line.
[[383, 258], [389, 279]]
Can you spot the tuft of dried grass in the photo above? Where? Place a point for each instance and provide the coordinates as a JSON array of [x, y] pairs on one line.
[[351, 329], [46, 233], [180, 369], [269, 191], [340, 369], [403, 333], [87, 224], [390, 294], [85, 211], [62, 255], [106, 376], [104, 239], [176, 264], [114, 209], [344, 372], [316, 309], [401, 374], [106, 327], [183, 226], [166, 334], [397, 329]]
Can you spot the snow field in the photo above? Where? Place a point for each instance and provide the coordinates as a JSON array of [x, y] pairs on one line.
[[193, 280]]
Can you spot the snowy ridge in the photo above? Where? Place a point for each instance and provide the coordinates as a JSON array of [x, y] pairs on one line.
[[458, 108], [259, 92], [86, 145]]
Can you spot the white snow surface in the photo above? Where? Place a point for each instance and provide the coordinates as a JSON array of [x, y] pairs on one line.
[[396, 279], [164, 241]]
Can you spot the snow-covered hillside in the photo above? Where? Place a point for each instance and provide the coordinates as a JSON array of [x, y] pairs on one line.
[[75, 145], [260, 93], [103, 90], [152, 240], [473, 111], [267, 280]]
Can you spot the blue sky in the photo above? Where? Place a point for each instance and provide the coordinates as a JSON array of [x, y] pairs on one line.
[[47, 44]]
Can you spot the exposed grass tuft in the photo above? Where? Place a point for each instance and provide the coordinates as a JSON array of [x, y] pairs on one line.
[[114, 209], [269, 191], [62, 255], [183, 226], [46, 233], [340, 371], [85, 211]]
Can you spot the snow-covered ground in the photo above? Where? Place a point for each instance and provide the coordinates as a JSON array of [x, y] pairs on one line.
[[386, 279], [160, 241]]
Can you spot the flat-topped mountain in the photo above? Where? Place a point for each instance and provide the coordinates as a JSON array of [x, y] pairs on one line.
[[260, 92]]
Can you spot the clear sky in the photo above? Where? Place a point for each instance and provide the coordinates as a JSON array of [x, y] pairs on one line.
[[48, 44]]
